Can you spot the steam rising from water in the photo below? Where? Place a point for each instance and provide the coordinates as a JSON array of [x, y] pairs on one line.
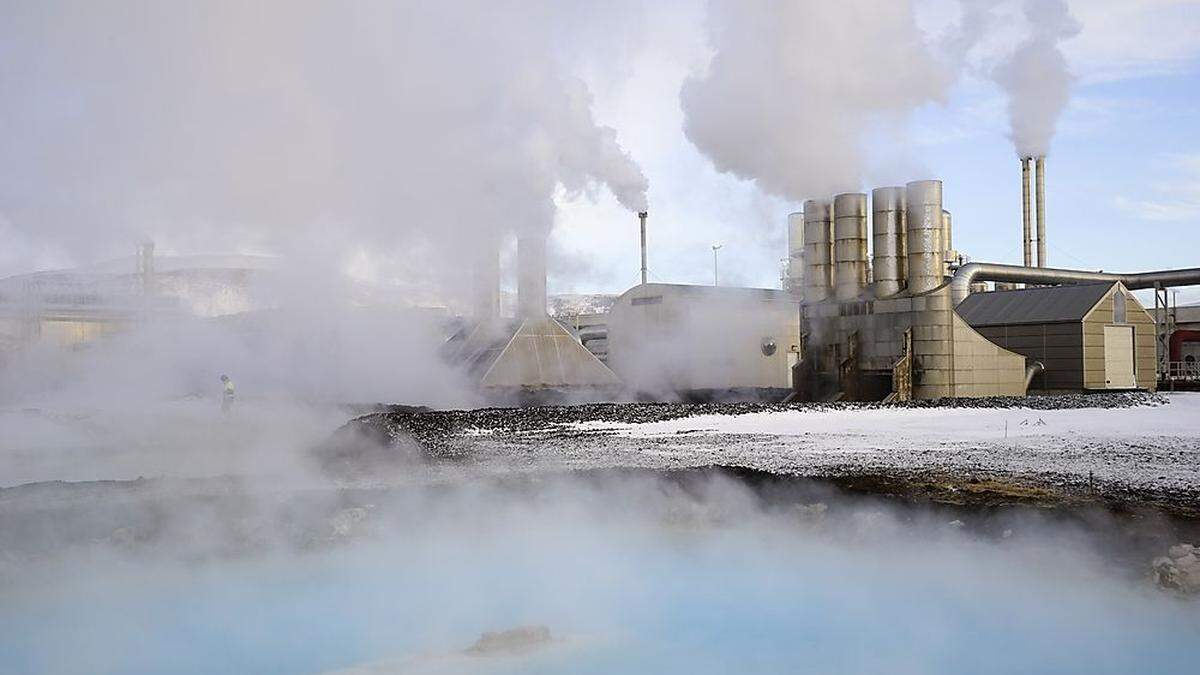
[[629, 574]]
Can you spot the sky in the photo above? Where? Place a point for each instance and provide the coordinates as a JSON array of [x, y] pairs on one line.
[[1123, 168]]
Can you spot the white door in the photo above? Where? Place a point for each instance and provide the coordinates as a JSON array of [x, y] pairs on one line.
[[1118, 357]]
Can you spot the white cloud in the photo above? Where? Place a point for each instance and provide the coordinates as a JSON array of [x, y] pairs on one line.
[[1174, 200]]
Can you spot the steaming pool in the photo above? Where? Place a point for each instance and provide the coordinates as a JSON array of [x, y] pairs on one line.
[[628, 578]]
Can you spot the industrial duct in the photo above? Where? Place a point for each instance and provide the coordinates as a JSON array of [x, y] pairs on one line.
[[850, 245], [888, 235], [960, 285], [795, 267], [818, 251], [531, 276], [924, 230]]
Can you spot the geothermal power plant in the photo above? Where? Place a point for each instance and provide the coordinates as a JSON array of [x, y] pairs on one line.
[[876, 304]]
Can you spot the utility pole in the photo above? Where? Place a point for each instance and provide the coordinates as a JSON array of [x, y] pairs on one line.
[[716, 279]]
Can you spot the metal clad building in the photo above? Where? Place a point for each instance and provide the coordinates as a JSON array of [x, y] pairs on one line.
[[1088, 336], [687, 339]]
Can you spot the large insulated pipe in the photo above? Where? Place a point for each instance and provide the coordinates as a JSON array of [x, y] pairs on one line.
[[887, 234], [531, 276], [1026, 218], [960, 285], [818, 251], [924, 230], [795, 268], [642, 219], [1040, 172], [850, 245]]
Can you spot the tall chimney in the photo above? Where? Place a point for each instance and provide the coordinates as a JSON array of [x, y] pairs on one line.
[[486, 280], [531, 276], [1040, 172], [795, 264], [818, 251], [642, 217], [849, 245], [887, 229], [1027, 226], [145, 265]]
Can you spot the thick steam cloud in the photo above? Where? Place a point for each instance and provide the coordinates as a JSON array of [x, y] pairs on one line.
[[306, 128], [1037, 78], [793, 88]]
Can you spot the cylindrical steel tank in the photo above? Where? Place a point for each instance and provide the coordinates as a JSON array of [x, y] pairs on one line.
[[924, 229], [531, 276], [850, 245], [887, 233], [795, 268], [818, 251]]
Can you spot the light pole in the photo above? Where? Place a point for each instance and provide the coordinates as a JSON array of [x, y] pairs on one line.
[[715, 248]]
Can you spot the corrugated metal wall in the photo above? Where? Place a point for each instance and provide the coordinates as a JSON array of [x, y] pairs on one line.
[[1059, 346]]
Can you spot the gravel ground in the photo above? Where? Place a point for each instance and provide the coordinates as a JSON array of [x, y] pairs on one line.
[[1134, 446]]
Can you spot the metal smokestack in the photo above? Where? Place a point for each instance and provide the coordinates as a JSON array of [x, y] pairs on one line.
[[531, 276], [487, 279], [795, 264], [926, 257], [145, 267], [642, 218], [1040, 172], [1026, 224]]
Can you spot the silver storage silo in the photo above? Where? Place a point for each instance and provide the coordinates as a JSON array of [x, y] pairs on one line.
[[925, 251], [849, 245], [818, 251], [887, 231], [795, 268]]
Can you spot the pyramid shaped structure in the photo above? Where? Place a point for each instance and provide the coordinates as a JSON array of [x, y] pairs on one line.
[[541, 353]]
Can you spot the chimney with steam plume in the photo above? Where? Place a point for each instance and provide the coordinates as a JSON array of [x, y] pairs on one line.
[[486, 281], [1040, 172], [642, 220], [145, 268], [1026, 216], [531, 276], [795, 262]]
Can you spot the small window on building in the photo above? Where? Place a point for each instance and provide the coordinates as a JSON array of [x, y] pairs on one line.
[[1119, 312]]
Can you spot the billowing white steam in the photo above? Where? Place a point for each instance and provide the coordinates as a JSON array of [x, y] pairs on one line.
[[313, 128], [1037, 78], [794, 87]]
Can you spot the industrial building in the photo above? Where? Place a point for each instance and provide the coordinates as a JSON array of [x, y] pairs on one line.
[[704, 341], [1085, 336]]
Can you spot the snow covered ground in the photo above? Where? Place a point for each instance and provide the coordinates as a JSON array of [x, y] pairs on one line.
[[1154, 448]]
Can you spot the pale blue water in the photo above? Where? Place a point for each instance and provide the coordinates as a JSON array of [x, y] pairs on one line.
[[628, 599]]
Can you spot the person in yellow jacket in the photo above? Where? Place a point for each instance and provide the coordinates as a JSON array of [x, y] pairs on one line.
[[226, 394]]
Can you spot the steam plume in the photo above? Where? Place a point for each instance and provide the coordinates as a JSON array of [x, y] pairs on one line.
[[310, 127], [792, 88], [1036, 76]]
